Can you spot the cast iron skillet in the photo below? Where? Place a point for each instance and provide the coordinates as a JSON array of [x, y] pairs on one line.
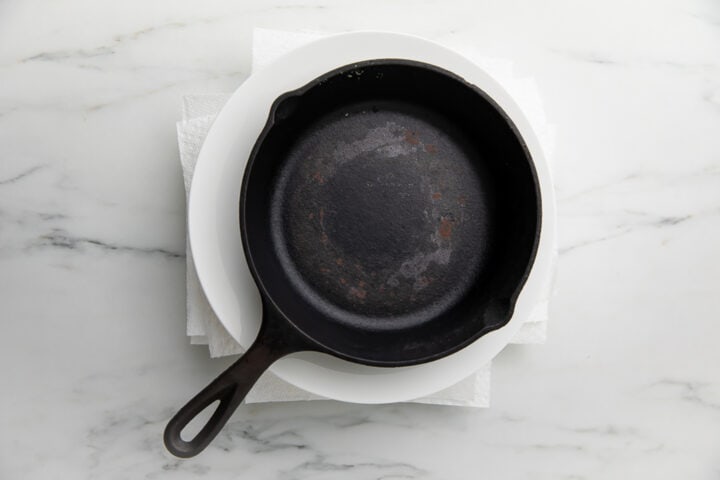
[[390, 214]]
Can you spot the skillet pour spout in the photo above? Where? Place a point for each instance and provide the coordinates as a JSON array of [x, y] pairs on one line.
[[390, 214]]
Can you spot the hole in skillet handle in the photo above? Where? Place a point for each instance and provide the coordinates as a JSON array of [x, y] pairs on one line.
[[277, 338], [199, 421]]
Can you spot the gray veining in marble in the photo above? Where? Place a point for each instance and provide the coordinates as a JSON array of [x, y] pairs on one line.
[[94, 355]]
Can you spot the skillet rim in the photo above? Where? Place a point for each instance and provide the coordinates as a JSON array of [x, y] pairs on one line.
[[271, 309]]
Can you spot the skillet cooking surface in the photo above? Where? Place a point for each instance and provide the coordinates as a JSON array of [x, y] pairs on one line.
[[381, 212]]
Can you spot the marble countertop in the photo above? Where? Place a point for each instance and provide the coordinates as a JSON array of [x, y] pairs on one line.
[[94, 356]]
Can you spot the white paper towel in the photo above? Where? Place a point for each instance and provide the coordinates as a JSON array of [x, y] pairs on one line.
[[204, 328]]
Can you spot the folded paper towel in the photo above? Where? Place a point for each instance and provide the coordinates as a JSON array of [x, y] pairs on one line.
[[203, 326]]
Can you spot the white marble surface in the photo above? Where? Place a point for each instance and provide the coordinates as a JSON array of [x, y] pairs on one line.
[[94, 359]]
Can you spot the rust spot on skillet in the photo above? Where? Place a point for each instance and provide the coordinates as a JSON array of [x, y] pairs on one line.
[[411, 137], [357, 292], [317, 176], [446, 226]]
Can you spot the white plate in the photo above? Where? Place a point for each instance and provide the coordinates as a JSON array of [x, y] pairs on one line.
[[215, 236]]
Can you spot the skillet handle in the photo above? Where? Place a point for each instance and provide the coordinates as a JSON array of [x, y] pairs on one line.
[[275, 340]]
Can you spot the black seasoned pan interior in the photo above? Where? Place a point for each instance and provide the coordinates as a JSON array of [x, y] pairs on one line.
[[390, 212]]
